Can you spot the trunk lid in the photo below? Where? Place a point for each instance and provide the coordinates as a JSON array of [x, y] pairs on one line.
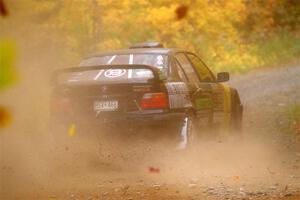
[[107, 89]]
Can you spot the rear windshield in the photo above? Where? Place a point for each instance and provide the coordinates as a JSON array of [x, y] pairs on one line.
[[106, 76], [156, 60]]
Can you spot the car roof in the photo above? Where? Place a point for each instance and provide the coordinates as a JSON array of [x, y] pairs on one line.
[[167, 51]]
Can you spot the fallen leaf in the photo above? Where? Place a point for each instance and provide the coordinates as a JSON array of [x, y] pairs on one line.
[[181, 12], [8, 73], [5, 117], [3, 9], [72, 130], [154, 170]]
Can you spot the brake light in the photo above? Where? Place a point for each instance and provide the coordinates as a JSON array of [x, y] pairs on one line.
[[60, 105], [154, 101]]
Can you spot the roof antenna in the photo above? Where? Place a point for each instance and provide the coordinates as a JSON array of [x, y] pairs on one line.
[[146, 45]]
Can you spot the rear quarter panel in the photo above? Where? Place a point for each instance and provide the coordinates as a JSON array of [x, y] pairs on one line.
[[178, 94]]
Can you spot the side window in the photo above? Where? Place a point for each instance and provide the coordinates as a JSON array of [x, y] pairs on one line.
[[176, 73], [180, 72], [187, 67], [204, 73]]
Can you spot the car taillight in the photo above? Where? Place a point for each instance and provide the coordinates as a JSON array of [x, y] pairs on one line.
[[60, 105], [154, 101]]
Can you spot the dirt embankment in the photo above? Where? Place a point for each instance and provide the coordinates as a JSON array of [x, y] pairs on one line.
[[265, 164]]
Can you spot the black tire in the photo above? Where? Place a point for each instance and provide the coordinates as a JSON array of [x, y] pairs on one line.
[[236, 112]]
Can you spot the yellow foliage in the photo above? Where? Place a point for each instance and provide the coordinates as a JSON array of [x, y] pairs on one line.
[[215, 29]]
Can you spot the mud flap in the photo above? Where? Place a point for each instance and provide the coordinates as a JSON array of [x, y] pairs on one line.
[[184, 134], [225, 126]]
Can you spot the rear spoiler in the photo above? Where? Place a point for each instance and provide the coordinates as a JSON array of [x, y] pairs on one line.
[[158, 75]]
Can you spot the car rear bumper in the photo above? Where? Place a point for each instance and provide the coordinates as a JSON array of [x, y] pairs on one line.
[[144, 118]]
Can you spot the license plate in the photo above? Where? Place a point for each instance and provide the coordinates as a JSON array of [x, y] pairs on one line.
[[106, 105]]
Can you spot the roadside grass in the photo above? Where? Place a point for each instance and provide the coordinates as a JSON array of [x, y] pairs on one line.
[[278, 50], [293, 119]]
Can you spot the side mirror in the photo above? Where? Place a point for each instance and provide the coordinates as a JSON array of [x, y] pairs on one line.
[[223, 77]]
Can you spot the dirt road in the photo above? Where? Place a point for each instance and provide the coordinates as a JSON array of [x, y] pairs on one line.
[[265, 164]]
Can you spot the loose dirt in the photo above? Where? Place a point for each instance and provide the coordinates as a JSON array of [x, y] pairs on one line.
[[263, 164]]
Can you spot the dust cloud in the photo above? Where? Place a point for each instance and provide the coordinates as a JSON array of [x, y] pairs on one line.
[[35, 165]]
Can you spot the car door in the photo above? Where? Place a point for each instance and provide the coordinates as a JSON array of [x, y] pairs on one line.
[[200, 93], [208, 82]]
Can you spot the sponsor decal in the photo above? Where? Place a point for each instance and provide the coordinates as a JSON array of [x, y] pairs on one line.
[[114, 73], [159, 60], [204, 103]]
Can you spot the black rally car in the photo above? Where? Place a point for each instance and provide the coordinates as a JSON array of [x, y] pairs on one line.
[[146, 85]]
